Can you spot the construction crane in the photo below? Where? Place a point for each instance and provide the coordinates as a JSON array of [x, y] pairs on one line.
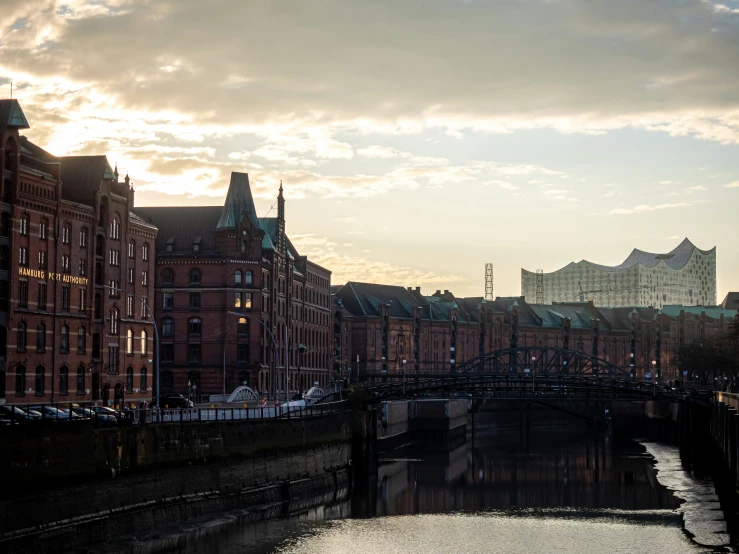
[[582, 293]]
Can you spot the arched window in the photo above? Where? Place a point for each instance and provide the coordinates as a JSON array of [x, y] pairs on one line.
[[243, 246], [132, 249], [115, 228], [81, 379], [41, 337], [195, 276], [20, 380], [5, 225], [194, 326], [4, 258], [40, 380], [143, 384], [96, 346], [129, 341], [167, 381], [114, 321], [248, 278], [22, 339], [145, 252], [243, 326], [63, 380], [237, 277], [167, 327], [64, 340], [81, 340], [129, 380], [83, 237], [144, 341], [168, 276]]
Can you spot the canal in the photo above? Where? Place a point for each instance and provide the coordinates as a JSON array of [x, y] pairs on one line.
[[548, 490]]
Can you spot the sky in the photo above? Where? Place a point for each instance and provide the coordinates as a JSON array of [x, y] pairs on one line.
[[416, 140]]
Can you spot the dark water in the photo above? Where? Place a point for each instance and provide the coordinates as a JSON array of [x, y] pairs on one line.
[[503, 492]]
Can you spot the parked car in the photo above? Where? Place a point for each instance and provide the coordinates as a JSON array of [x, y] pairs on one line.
[[17, 414], [173, 401], [50, 412], [102, 417]]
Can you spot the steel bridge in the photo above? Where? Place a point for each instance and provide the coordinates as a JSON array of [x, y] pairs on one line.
[[525, 372]]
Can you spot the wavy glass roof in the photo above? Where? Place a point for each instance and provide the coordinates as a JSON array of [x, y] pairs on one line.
[[674, 259]]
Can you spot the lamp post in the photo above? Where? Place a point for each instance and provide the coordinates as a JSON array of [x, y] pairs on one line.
[[271, 336], [654, 376], [533, 373], [404, 362], [156, 336]]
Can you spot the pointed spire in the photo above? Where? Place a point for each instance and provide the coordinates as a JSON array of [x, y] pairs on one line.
[[239, 203], [115, 172], [126, 179], [282, 242]]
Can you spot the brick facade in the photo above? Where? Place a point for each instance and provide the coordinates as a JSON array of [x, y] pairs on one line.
[[67, 232], [228, 285], [377, 326]]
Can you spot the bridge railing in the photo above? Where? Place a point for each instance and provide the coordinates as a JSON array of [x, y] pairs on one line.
[[59, 414]]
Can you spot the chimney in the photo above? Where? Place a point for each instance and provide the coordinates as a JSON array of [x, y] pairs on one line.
[[438, 291], [446, 291], [418, 290]]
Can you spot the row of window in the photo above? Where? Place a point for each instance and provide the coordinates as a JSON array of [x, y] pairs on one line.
[[195, 352], [40, 380], [195, 326], [246, 278], [242, 300], [42, 296], [22, 338]]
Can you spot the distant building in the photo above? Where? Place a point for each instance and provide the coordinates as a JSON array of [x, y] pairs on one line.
[[75, 265], [377, 327], [684, 276], [216, 262]]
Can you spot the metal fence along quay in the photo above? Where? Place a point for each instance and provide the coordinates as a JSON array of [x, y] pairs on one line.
[[79, 414]]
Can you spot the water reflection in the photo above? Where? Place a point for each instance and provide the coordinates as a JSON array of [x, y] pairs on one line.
[[586, 472], [544, 492]]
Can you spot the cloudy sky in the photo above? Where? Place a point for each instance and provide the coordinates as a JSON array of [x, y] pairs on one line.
[[417, 140]]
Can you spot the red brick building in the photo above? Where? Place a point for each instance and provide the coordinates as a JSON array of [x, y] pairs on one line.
[[228, 281], [376, 327], [68, 237]]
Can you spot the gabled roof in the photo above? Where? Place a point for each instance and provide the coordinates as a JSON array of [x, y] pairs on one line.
[[82, 176], [367, 299], [239, 203], [183, 225], [731, 302], [714, 312], [11, 115]]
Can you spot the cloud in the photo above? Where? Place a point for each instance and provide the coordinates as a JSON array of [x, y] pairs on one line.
[[559, 194], [732, 185], [697, 188], [377, 151], [359, 268], [647, 208], [722, 8]]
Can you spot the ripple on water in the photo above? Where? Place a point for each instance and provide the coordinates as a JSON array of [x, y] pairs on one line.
[[701, 509], [489, 533]]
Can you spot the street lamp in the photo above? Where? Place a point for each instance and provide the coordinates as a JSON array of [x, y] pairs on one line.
[[156, 335], [533, 372], [654, 376], [404, 362], [274, 343]]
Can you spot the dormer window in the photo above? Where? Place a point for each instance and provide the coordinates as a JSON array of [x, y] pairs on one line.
[[170, 244], [196, 244]]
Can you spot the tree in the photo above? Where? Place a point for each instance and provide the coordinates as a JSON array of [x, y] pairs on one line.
[[713, 357]]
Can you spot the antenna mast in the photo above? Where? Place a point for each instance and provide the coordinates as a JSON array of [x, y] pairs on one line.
[[489, 282]]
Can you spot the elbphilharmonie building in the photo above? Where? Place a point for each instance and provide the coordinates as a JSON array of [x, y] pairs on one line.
[[686, 275]]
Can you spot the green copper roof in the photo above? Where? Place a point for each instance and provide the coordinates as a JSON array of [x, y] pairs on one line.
[[11, 115], [239, 203]]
